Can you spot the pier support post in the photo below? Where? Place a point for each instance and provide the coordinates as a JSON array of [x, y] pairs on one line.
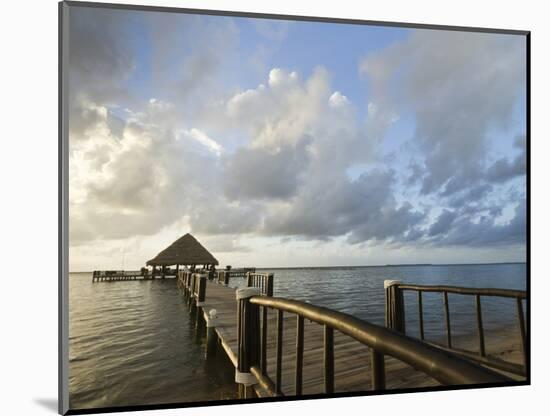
[[395, 306], [211, 336], [248, 333]]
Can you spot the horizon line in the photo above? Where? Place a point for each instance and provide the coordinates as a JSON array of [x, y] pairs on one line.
[[356, 266]]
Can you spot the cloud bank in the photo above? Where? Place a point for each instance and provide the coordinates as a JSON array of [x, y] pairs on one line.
[[172, 139]]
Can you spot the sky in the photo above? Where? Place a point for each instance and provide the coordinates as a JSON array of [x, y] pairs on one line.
[[286, 143]]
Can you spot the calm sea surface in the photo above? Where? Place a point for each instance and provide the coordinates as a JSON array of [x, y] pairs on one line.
[[133, 342]]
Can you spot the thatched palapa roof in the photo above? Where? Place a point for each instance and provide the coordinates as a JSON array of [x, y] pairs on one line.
[[185, 250]]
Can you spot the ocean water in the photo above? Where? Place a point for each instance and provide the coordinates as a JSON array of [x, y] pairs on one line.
[[134, 342]]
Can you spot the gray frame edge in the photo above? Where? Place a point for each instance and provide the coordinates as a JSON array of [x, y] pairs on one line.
[[63, 210]]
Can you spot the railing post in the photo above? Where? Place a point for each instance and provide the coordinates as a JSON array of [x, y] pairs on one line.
[[199, 294], [248, 279], [395, 307], [211, 335], [447, 319], [201, 290], [299, 355], [269, 285], [186, 278], [248, 333], [480, 334], [192, 282], [378, 370], [521, 321], [329, 359]]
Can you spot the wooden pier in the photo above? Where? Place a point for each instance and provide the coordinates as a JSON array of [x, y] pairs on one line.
[[293, 355], [284, 347], [121, 275], [351, 358], [116, 275]]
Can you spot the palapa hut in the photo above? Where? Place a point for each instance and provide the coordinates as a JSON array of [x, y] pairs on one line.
[[185, 251]]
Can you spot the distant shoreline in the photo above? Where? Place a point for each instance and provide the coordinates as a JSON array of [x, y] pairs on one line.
[[360, 267], [390, 265]]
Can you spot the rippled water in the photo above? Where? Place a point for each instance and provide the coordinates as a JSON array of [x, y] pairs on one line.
[[133, 342]]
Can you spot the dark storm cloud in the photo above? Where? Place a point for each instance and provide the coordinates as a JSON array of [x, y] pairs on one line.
[[364, 209], [473, 195], [504, 169], [215, 216], [486, 232], [259, 173], [101, 56], [443, 223], [459, 86], [188, 55]]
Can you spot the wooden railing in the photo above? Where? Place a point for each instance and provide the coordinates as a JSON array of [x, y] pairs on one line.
[[263, 281], [252, 346], [395, 318], [224, 276], [193, 285]]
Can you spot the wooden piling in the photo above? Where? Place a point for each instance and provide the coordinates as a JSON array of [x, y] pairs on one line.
[[395, 306]]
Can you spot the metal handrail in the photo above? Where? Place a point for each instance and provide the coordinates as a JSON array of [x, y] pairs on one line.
[[442, 366]]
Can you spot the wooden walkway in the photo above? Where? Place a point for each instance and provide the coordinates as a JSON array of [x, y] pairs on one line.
[[351, 358]]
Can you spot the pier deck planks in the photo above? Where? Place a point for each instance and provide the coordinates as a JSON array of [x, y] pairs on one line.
[[351, 358]]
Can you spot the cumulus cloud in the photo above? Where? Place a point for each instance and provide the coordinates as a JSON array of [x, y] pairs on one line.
[[133, 185], [338, 100], [302, 139], [278, 114], [206, 141]]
